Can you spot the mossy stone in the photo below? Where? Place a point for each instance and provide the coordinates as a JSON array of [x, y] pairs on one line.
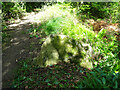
[[58, 48]]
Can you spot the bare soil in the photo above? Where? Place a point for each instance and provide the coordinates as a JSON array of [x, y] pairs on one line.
[[19, 47]]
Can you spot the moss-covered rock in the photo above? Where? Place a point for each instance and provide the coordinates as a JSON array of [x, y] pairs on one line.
[[58, 48]]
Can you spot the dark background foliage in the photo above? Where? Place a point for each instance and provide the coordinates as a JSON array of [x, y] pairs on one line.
[[94, 10]]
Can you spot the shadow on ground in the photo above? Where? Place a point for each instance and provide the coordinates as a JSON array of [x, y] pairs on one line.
[[19, 47]]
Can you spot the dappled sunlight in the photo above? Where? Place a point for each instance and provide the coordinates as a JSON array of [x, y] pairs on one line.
[[5, 72], [45, 14], [7, 64], [16, 43], [62, 48], [53, 40]]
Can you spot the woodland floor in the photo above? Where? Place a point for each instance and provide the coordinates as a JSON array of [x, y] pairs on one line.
[[19, 46]]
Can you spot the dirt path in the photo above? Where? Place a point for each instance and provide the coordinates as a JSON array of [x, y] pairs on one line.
[[19, 47]]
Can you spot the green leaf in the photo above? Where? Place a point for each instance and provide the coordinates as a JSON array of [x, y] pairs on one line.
[[93, 73], [36, 36], [116, 85], [61, 85], [80, 86], [30, 79], [31, 35], [47, 80], [114, 78], [35, 30], [103, 80], [49, 84], [56, 82], [98, 80]]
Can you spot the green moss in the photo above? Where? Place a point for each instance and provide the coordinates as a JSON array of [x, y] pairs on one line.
[[86, 64], [62, 48], [48, 54]]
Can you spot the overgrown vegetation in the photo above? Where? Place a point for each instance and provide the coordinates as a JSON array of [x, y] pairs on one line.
[[63, 19], [15, 10]]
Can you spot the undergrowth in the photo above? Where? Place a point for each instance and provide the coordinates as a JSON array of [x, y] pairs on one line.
[[105, 57]]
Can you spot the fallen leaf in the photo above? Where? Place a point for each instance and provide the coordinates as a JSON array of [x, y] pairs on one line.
[[76, 81]]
